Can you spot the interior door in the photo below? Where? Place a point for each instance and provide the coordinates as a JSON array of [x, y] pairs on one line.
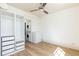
[[25, 32]]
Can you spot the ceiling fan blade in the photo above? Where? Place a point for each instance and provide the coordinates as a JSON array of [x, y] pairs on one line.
[[43, 4], [45, 11], [34, 10]]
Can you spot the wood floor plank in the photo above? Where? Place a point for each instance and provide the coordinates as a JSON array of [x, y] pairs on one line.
[[44, 49]]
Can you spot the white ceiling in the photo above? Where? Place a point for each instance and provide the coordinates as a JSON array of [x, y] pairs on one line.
[[50, 7]]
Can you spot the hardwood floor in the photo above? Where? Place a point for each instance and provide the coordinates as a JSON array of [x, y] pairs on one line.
[[44, 49]]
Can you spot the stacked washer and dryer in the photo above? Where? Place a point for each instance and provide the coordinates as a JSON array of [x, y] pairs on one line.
[[28, 31]]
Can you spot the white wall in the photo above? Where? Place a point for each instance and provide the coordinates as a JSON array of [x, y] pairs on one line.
[[62, 28], [36, 32]]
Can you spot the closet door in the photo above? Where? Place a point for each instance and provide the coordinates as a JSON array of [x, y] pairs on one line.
[[7, 33], [7, 24], [20, 39]]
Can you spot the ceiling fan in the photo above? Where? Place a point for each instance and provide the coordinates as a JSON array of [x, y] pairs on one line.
[[41, 7]]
